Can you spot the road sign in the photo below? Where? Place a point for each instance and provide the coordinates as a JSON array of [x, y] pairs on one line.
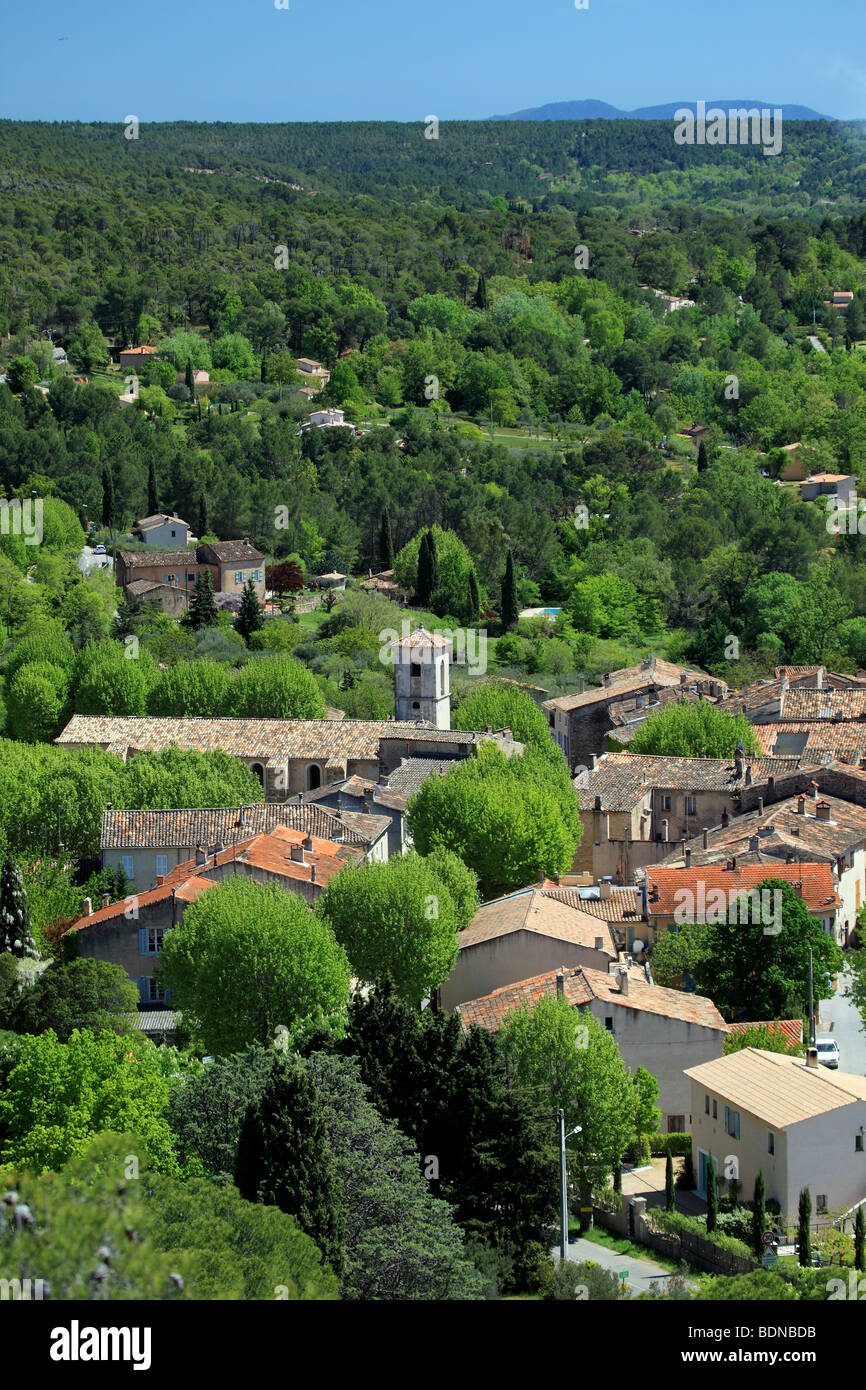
[[768, 1237], [768, 1259], [623, 1274]]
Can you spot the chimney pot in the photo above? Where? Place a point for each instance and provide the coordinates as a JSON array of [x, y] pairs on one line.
[[812, 1057], [706, 838], [801, 805], [312, 873], [754, 844], [760, 805], [560, 983], [87, 908], [106, 898], [688, 859]]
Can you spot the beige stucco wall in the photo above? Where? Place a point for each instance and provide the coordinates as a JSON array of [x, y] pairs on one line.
[[664, 1046], [505, 960]]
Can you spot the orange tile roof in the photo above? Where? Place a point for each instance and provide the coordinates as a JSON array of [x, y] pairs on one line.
[[791, 1027], [813, 880]]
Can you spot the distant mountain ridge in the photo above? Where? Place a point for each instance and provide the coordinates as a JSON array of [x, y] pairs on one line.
[[601, 111]]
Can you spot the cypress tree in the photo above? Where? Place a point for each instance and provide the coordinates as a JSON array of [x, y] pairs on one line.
[[107, 497], [860, 1241], [202, 515], [202, 605], [427, 567], [16, 935], [804, 1239], [703, 461], [510, 609], [712, 1196], [152, 491], [670, 1198], [473, 599], [189, 378], [481, 293], [386, 543], [249, 618], [284, 1159], [759, 1213]]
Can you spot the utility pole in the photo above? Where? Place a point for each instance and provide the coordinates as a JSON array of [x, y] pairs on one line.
[[811, 1004]]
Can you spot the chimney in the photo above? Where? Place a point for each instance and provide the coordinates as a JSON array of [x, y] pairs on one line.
[[801, 805], [87, 908], [771, 786], [365, 807], [560, 984], [106, 897], [822, 810], [580, 685], [705, 837], [200, 856], [733, 861], [813, 790], [605, 680], [599, 943], [605, 891], [597, 804], [760, 805], [218, 849], [739, 763], [556, 879], [725, 819], [312, 873], [748, 774], [160, 880], [688, 859], [623, 979], [297, 854], [754, 844], [593, 761], [540, 876], [812, 1058]]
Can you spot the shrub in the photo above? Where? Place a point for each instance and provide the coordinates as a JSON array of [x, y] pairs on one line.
[[676, 1144]]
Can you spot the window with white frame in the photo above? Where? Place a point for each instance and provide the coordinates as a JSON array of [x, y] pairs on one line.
[[150, 940], [156, 994]]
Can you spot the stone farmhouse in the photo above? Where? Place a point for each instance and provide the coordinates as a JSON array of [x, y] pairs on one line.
[[171, 575]]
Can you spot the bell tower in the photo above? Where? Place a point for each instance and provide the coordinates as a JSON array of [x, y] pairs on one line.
[[422, 678]]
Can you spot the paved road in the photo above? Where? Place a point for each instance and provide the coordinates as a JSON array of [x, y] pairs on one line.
[[643, 1275], [816, 343], [840, 1020]]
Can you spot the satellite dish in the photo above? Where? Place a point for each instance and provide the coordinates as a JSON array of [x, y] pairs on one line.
[[637, 946]]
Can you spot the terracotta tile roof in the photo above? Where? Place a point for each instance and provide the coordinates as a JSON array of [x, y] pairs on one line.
[[248, 738], [792, 1028], [408, 778], [225, 552], [139, 587], [533, 911], [365, 824], [149, 898], [781, 829], [361, 788], [665, 884], [812, 738], [220, 825], [777, 1089], [623, 905], [421, 638], [582, 986], [823, 704], [179, 559], [144, 351], [631, 678], [623, 779]]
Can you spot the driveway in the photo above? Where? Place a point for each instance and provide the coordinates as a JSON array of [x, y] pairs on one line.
[[840, 1020], [643, 1275]]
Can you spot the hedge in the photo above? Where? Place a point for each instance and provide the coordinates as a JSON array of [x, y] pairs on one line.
[[675, 1222], [677, 1144]]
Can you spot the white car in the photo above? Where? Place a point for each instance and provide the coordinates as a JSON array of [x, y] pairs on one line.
[[99, 550], [828, 1051]]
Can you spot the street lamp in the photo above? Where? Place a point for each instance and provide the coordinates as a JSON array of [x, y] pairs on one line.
[[563, 1190]]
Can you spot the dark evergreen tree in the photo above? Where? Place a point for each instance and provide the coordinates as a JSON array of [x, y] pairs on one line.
[[107, 498], [804, 1235], [510, 608], [202, 515], [473, 600], [284, 1159], [189, 378], [703, 461], [386, 543], [759, 1214], [481, 293], [670, 1195], [427, 570], [712, 1196], [16, 935], [860, 1240], [123, 619], [152, 490], [249, 619], [202, 606], [617, 1178]]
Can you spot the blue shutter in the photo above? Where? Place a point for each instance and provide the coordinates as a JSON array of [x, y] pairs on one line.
[[727, 1120], [142, 941], [143, 990]]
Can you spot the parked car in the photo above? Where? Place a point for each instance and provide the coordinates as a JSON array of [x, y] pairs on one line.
[[99, 550], [828, 1051]]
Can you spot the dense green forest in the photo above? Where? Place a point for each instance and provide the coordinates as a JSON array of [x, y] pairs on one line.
[[492, 329]]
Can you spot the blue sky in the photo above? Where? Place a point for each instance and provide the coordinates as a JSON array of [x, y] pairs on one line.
[[245, 60]]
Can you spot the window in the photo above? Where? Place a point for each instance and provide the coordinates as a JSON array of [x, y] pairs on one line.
[[691, 806], [416, 670], [150, 940], [706, 1105], [155, 993], [732, 1122], [608, 1023], [243, 576], [666, 803], [715, 1109], [771, 1142], [161, 865], [237, 576], [676, 1124], [190, 577], [174, 533], [128, 865], [821, 1202], [858, 1143]]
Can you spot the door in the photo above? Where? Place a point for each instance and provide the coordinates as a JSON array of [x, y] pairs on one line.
[[702, 1172]]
